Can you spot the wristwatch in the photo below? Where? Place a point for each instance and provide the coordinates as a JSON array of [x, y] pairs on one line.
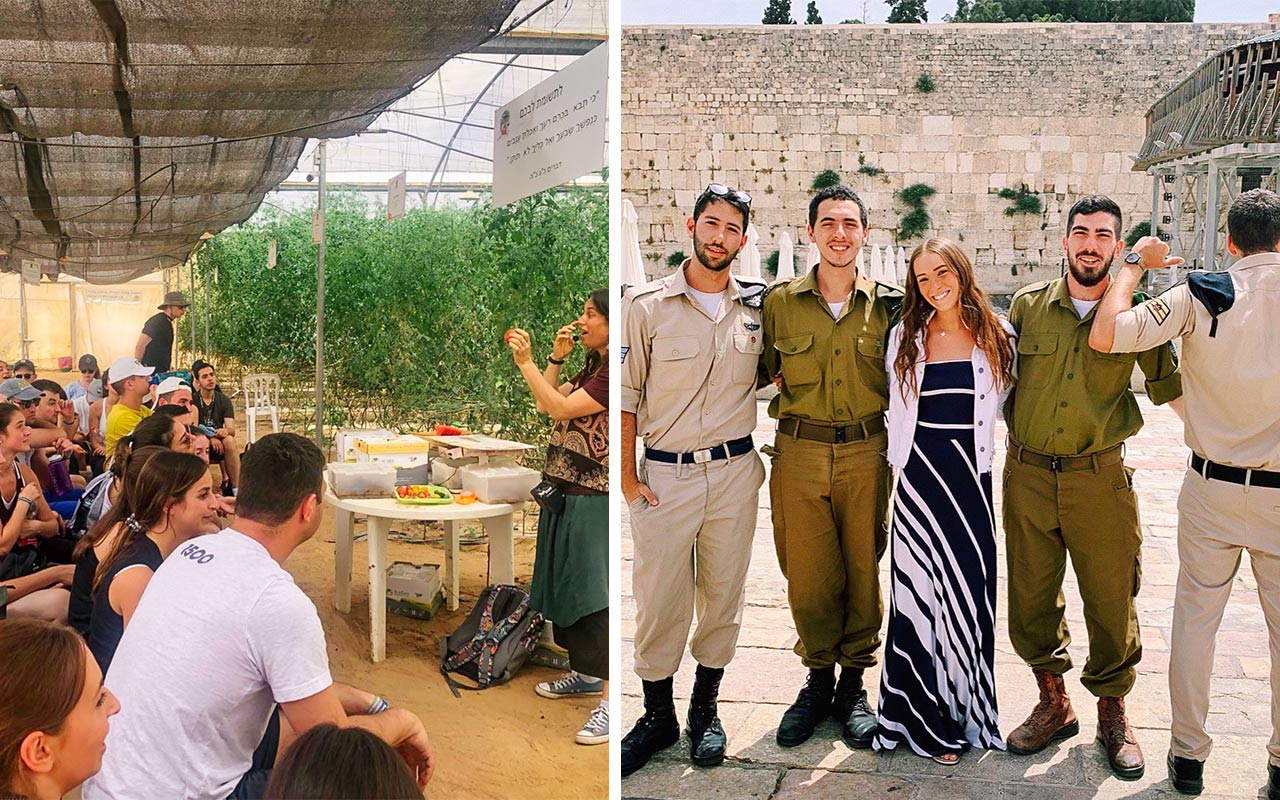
[[1133, 258]]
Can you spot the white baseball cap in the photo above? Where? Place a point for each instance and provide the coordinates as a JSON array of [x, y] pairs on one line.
[[171, 384], [126, 367]]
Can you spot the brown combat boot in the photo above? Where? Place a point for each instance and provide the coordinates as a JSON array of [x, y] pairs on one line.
[[1051, 720], [1116, 736]]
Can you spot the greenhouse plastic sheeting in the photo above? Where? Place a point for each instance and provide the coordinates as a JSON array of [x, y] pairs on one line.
[[128, 129]]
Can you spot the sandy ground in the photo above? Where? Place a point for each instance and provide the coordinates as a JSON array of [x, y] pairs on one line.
[[503, 742]]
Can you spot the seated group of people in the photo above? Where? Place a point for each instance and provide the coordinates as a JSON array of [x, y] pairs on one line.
[[209, 657], [50, 444]]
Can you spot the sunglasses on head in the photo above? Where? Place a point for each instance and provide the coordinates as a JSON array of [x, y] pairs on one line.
[[722, 191]]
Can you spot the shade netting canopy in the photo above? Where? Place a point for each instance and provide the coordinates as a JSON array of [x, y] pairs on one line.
[[129, 129]]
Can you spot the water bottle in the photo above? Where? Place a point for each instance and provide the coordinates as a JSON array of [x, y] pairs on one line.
[[59, 475]]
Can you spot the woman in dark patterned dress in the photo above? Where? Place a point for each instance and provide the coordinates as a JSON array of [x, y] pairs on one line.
[[950, 363], [571, 567]]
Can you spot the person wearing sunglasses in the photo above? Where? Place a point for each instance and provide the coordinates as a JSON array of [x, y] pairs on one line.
[[24, 370], [690, 355], [89, 372], [824, 335]]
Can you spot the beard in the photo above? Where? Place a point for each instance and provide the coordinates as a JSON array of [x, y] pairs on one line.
[[1083, 275], [710, 262]]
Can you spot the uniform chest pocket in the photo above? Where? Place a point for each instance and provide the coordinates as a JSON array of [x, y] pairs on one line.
[[871, 363], [747, 348], [675, 363], [1036, 359], [799, 363], [1109, 373]]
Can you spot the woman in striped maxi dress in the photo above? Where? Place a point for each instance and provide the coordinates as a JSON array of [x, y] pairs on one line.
[[950, 364]]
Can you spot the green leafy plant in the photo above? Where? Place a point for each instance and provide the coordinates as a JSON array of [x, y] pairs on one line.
[[1137, 232], [676, 259], [771, 264], [1024, 200], [924, 84], [415, 309], [825, 179], [916, 221]]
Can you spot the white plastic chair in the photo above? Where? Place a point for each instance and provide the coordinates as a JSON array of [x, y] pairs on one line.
[[261, 396]]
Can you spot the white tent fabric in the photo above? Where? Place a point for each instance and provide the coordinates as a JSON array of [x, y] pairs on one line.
[[786, 257], [632, 263], [812, 258], [749, 258]]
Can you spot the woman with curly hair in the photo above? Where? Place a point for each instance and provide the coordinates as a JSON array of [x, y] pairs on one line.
[[950, 364]]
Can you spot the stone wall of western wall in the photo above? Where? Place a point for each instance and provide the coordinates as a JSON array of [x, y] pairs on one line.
[[1054, 107]]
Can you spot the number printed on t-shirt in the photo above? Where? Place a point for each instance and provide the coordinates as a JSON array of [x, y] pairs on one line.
[[197, 554]]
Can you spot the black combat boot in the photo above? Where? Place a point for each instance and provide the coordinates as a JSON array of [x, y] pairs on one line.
[[852, 710], [657, 730], [812, 705], [707, 741]]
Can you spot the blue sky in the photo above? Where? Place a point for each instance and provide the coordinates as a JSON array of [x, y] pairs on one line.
[[747, 12]]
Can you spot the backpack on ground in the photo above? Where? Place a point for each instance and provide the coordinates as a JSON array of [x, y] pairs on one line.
[[494, 641]]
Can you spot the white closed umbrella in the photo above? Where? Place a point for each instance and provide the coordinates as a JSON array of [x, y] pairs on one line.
[[811, 260], [901, 270], [632, 263], [749, 258], [786, 258]]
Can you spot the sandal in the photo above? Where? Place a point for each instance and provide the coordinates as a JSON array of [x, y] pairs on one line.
[[947, 759]]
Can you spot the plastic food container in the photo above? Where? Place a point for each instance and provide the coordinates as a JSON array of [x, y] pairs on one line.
[[362, 480], [499, 484]]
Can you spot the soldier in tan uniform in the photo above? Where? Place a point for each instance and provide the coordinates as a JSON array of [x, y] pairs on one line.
[[690, 351], [1067, 490], [825, 336], [1230, 499]]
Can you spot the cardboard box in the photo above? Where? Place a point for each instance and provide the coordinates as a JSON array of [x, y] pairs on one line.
[[396, 445], [345, 441], [423, 611], [419, 583]]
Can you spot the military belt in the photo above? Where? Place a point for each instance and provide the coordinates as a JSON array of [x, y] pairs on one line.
[[1102, 458], [832, 434], [1245, 477], [729, 449]]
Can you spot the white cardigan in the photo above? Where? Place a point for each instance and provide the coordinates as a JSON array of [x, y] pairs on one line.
[[986, 401]]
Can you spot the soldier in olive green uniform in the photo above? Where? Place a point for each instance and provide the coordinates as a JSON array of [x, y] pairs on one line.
[[1066, 490], [690, 367], [825, 334]]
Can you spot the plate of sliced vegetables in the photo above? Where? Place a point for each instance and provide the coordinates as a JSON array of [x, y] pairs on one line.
[[423, 495]]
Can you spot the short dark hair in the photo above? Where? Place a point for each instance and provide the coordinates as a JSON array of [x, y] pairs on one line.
[[171, 410], [46, 385], [1092, 204], [1254, 221], [332, 762], [279, 472], [199, 365], [707, 198], [837, 192]]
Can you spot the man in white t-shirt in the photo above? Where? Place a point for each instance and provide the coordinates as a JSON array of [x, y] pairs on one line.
[[224, 663]]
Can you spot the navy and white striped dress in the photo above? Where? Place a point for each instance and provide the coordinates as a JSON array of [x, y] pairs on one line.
[[937, 688]]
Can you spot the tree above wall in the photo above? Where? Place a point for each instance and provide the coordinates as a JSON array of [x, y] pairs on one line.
[[813, 17], [1073, 11], [778, 12], [907, 11]]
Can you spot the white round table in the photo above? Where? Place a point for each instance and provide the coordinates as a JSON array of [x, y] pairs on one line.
[[498, 525]]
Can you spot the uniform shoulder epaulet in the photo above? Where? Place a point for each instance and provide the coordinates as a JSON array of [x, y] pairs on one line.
[[773, 287], [1031, 288], [1215, 291], [632, 292], [891, 298], [751, 291]]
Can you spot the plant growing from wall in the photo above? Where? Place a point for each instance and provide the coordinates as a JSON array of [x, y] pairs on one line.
[[676, 259], [1137, 232], [916, 221], [825, 179], [924, 84], [771, 264], [870, 170], [1024, 201]]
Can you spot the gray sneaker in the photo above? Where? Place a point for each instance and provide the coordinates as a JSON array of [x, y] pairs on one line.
[[596, 731], [571, 684]]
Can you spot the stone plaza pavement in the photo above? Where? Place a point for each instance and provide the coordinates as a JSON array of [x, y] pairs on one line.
[[765, 676]]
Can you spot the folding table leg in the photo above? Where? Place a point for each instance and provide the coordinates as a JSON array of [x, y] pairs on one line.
[[502, 555], [378, 528], [451, 562], [343, 535]]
